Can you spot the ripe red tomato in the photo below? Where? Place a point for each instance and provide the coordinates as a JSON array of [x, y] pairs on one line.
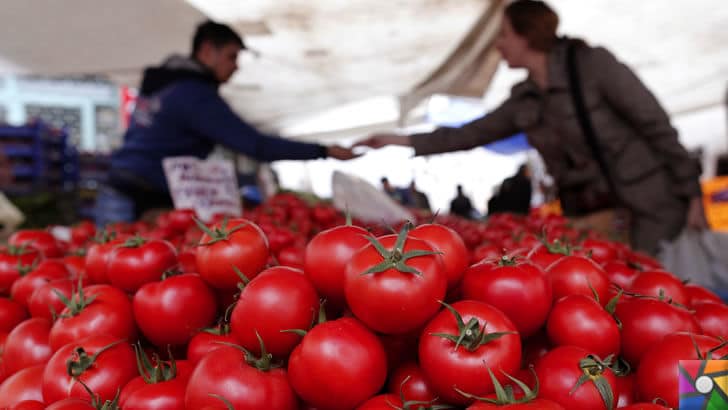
[[486, 252], [82, 232], [259, 310], [246, 382], [187, 260], [101, 310], [576, 275], [465, 366], [45, 272], [11, 313], [620, 273], [396, 286], [206, 341], [22, 386], [452, 249], [180, 220], [655, 283], [104, 363], [657, 375], [138, 262], [536, 404], [71, 404], [646, 321], [559, 372], [38, 239], [27, 345], [170, 312], [45, 302], [627, 388], [15, 262], [601, 251], [326, 257], [520, 290], [712, 318], [645, 406], [578, 320], [237, 243], [30, 405], [97, 258], [408, 381], [382, 402], [161, 386], [698, 294], [292, 256], [351, 378]]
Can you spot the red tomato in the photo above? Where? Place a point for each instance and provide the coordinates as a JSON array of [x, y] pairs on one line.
[[578, 320], [45, 272], [11, 313], [30, 405], [409, 382], [180, 220], [657, 375], [627, 388], [41, 240], [350, 378], [104, 363], [15, 262], [396, 286], [655, 283], [465, 366], [161, 386], [82, 232], [260, 309], [71, 404], [559, 372], [76, 264], [646, 321], [45, 302], [27, 345], [575, 275], [712, 318], [698, 294], [644, 261], [645, 406], [620, 273], [326, 257], [235, 244], [97, 258], [138, 262], [187, 260], [246, 383], [520, 290], [536, 404], [22, 386], [170, 312], [101, 310], [601, 251], [382, 402], [547, 254], [486, 252], [453, 251], [206, 341], [292, 256]]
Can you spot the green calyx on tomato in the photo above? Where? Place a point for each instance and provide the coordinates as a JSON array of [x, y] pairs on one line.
[[415, 404], [263, 363], [593, 368], [221, 233], [558, 246], [75, 366], [21, 250], [78, 301], [97, 402], [505, 396], [396, 258], [506, 260], [134, 242], [317, 320], [227, 403], [104, 237], [710, 352], [161, 371], [470, 335]]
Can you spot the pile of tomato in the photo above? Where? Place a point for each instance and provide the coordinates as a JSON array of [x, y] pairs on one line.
[[293, 307]]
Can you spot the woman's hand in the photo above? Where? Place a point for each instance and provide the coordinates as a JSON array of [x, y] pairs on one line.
[[380, 140], [696, 214]]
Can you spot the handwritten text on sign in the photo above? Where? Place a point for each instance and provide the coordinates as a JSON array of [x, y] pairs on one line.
[[208, 186]]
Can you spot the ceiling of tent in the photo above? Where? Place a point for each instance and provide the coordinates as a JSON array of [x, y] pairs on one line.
[[316, 56]]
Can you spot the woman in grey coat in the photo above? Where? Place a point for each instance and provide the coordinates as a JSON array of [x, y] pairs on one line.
[[633, 159]]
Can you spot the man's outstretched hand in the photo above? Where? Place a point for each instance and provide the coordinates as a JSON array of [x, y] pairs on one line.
[[339, 152], [382, 139]]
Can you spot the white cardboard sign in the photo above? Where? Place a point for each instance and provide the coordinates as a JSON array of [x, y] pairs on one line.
[[208, 186]]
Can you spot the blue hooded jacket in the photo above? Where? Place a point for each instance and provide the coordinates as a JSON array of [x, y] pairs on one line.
[[180, 113]]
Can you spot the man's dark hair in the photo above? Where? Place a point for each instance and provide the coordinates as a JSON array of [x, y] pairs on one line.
[[218, 34]]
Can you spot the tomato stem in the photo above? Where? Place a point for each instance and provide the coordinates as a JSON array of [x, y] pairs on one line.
[[593, 368], [505, 395], [470, 335], [75, 368], [396, 258]]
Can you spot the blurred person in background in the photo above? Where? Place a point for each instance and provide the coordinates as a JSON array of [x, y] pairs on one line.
[[418, 199], [514, 194], [604, 137], [180, 113], [461, 205]]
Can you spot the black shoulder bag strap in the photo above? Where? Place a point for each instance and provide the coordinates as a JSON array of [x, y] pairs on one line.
[[587, 128]]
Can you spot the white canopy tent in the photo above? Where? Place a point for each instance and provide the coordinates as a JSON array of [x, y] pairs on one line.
[[331, 70]]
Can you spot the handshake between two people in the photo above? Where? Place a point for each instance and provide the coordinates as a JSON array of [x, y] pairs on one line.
[[374, 141]]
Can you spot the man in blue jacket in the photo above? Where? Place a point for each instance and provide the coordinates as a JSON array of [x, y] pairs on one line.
[[180, 113]]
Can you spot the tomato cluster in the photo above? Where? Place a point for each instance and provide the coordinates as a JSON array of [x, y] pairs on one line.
[[293, 307]]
